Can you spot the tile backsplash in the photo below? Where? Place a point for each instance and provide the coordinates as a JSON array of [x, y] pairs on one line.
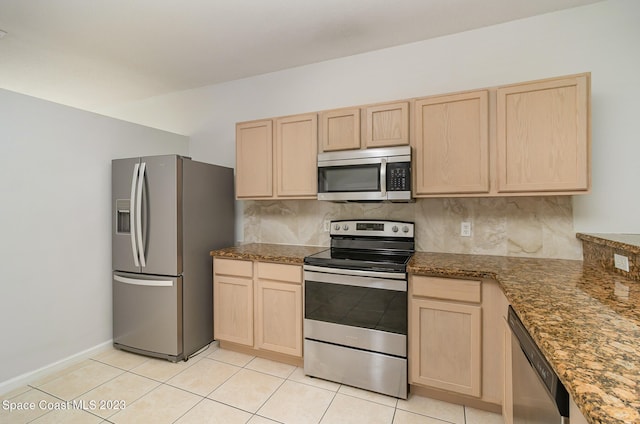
[[540, 227]]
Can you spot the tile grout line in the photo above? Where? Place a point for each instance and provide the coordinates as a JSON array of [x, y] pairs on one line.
[[286, 376], [61, 400], [187, 411], [267, 400], [329, 406]]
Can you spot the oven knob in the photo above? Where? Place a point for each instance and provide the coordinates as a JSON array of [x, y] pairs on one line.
[[394, 228], [345, 227], [405, 229], [337, 227]]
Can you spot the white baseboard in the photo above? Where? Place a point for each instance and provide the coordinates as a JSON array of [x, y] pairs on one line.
[[30, 377]]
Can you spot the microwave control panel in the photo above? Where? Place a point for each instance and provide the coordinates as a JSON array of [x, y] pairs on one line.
[[399, 176]]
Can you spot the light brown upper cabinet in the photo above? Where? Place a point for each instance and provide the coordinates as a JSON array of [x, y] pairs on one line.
[[296, 156], [254, 159], [340, 129], [386, 125], [452, 144], [277, 159], [531, 138], [543, 136]]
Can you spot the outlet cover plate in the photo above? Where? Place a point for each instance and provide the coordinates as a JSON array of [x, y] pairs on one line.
[[465, 229], [621, 262]]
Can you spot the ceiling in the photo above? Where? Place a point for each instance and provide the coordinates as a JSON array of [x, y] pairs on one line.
[[98, 54]]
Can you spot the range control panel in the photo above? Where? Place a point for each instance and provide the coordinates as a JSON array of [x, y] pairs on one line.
[[372, 228]]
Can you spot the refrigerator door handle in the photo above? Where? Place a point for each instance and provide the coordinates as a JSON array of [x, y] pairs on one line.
[[132, 215], [143, 168], [136, 282]]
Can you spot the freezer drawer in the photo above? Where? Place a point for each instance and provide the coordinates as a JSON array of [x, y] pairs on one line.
[[147, 314]]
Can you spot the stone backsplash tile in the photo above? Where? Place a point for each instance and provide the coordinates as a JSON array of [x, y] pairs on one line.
[[511, 226]]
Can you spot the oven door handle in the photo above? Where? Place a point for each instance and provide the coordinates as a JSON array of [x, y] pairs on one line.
[[357, 272], [357, 281]]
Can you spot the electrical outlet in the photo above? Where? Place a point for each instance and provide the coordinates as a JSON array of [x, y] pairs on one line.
[[621, 262], [621, 290], [327, 225], [465, 229]]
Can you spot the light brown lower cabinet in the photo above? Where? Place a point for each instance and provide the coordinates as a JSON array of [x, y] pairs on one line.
[[278, 309], [446, 344], [258, 305], [456, 340], [233, 301]]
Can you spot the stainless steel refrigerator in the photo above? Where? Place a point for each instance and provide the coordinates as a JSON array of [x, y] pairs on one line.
[[169, 212]]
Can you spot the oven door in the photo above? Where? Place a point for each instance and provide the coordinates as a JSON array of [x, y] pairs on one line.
[[354, 179], [360, 309]]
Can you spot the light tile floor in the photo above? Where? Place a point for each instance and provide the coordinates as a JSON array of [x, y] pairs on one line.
[[216, 386]]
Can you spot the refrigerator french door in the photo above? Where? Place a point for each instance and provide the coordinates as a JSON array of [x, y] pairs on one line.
[[147, 215], [169, 212]]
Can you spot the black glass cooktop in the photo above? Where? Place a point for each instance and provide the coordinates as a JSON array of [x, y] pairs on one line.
[[373, 260]]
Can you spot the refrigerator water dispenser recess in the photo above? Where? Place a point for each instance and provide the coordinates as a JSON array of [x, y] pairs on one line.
[[123, 216]]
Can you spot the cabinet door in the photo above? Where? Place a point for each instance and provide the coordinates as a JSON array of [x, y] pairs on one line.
[[452, 144], [279, 317], [296, 155], [445, 347], [543, 136], [254, 159], [386, 125], [340, 129], [233, 309]]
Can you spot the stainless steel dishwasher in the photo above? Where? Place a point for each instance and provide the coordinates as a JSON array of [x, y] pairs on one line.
[[538, 395]]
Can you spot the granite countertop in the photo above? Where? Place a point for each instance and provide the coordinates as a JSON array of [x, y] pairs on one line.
[[628, 242], [585, 320], [280, 253]]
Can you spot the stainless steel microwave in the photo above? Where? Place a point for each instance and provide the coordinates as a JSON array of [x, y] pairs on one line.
[[365, 175]]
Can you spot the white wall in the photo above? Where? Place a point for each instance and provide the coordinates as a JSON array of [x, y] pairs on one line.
[[55, 227], [601, 38]]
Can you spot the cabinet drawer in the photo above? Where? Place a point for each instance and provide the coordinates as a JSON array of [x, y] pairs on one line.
[[233, 267], [447, 288], [280, 272]]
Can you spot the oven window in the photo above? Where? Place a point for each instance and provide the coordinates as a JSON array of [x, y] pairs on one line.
[[376, 309], [353, 178]]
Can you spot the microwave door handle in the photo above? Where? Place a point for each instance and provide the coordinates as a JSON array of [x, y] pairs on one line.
[[143, 168], [383, 177], [132, 215]]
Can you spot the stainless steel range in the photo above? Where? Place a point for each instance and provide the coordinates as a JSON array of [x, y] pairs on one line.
[[355, 299]]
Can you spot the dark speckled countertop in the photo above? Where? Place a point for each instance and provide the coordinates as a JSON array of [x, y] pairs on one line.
[[585, 320], [280, 253]]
